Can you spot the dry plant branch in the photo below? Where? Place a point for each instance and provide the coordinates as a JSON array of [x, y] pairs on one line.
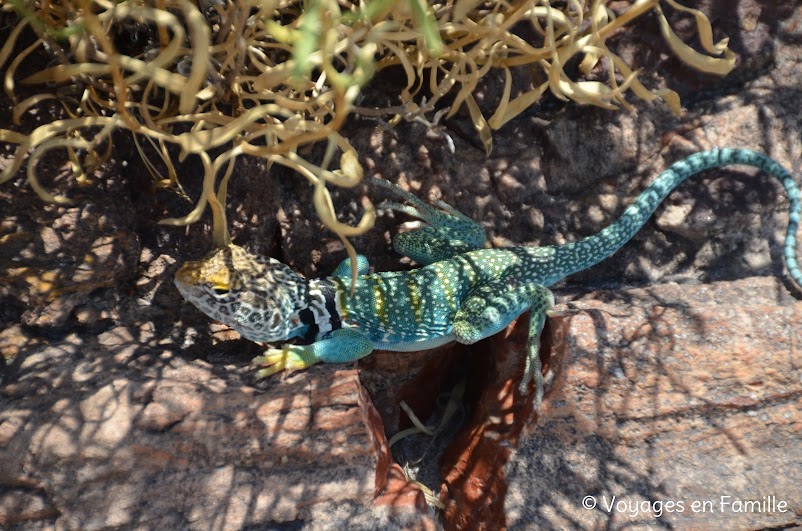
[[266, 77]]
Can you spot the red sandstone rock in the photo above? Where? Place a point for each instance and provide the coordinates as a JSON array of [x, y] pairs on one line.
[[405, 501], [183, 442], [668, 394], [475, 486]]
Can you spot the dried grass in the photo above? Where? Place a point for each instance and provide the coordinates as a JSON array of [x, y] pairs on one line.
[[266, 77]]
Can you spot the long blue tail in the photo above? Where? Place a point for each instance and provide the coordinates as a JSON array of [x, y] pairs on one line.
[[580, 255]]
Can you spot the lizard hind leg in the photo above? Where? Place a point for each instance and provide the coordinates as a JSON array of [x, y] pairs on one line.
[[490, 307], [542, 304], [448, 233]]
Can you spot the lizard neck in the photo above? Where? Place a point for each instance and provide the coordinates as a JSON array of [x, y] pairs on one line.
[[320, 315]]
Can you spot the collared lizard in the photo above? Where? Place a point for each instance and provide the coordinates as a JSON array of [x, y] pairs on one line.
[[463, 292]]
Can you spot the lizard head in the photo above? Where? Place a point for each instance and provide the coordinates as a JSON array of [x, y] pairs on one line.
[[257, 296]]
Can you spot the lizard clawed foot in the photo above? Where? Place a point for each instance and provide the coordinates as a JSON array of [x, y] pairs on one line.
[[287, 358]]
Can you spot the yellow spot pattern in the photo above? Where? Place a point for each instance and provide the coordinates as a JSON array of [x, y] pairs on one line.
[[380, 302], [415, 299]]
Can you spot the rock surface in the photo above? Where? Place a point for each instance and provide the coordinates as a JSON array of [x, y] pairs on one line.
[[178, 446], [677, 405], [121, 406]]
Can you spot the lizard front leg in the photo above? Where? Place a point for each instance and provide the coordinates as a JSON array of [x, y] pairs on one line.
[[449, 232], [343, 270], [340, 346]]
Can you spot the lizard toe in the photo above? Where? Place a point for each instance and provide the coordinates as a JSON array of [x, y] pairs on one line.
[[287, 358]]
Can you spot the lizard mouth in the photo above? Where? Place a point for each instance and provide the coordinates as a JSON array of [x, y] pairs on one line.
[[190, 283], [211, 272], [187, 289]]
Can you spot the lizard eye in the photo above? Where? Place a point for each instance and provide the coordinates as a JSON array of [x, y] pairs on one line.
[[220, 290]]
